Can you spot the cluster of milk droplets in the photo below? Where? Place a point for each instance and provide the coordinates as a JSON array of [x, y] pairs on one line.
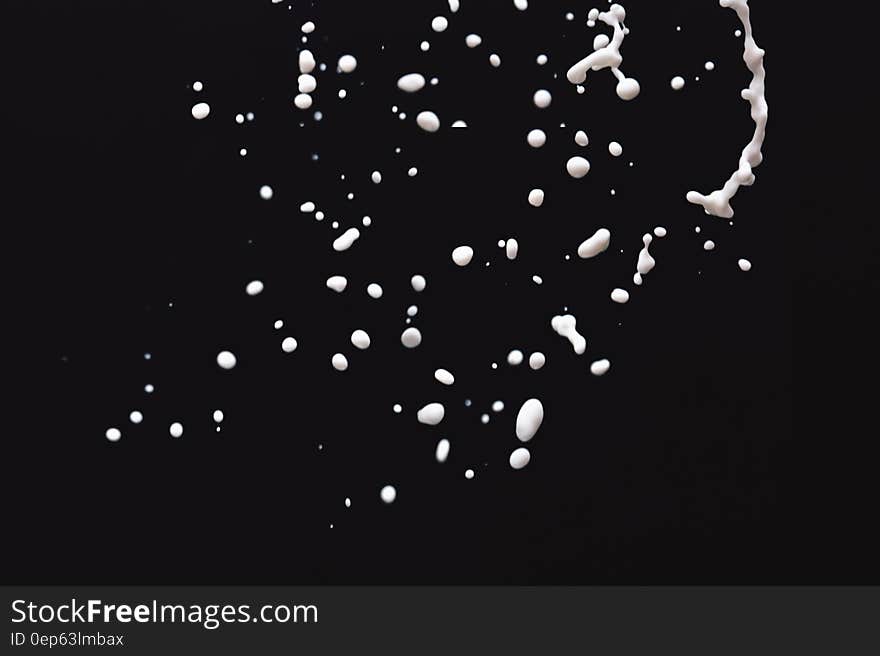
[[606, 54]]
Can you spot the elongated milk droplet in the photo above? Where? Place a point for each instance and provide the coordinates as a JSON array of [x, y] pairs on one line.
[[565, 326], [444, 376], [411, 82], [201, 110], [619, 295], [596, 244], [346, 239], [441, 453], [520, 458], [600, 367], [529, 419]]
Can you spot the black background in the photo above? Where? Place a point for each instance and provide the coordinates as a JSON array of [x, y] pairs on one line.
[[677, 466]]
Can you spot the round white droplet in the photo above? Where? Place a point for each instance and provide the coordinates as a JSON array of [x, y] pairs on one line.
[[529, 419], [577, 166], [439, 24], [709, 66], [744, 265], [388, 494], [308, 27], [441, 453], [218, 416], [542, 98], [677, 83], [339, 362], [376, 177], [418, 283], [515, 358], [428, 121], [176, 429], [360, 339], [113, 434], [288, 345], [497, 406], [198, 86], [615, 149], [495, 60], [659, 231], [536, 197], [411, 82], [424, 46], [254, 287], [201, 110], [462, 255], [522, 5], [600, 41], [536, 138], [520, 458], [306, 84], [628, 88], [619, 295], [337, 283], [444, 376], [541, 59], [473, 40], [708, 245], [537, 360], [226, 360], [600, 367], [580, 138], [266, 192], [136, 417], [431, 414], [469, 474], [411, 337], [374, 290], [347, 63], [303, 101], [412, 172]]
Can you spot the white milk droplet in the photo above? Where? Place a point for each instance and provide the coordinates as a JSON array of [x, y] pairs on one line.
[[254, 287], [198, 86], [266, 192], [308, 27], [515, 357], [339, 362], [418, 283], [176, 429], [677, 83], [388, 494], [619, 295], [537, 360], [374, 290], [615, 149], [473, 40], [428, 121], [536, 138], [600, 367], [709, 66], [511, 248], [744, 265], [347, 63], [201, 110], [346, 239], [337, 283], [541, 59], [596, 244], [498, 406], [577, 166], [444, 376], [218, 416], [536, 197], [462, 255], [542, 98], [226, 360], [495, 60], [411, 337], [307, 207], [469, 474], [565, 326], [306, 84], [306, 61], [520, 458], [288, 345], [136, 417], [113, 434], [439, 24], [659, 231], [411, 82], [528, 419], [522, 5], [441, 453], [302, 101], [607, 56], [431, 414], [360, 339], [580, 138], [709, 245]]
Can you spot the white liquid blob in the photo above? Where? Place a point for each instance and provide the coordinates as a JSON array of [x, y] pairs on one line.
[[337, 283], [444, 376], [388, 494], [288, 345], [411, 337], [428, 121], [306, 84], [346, 239], [709, 66], [515, 357], [536, 138], [411, 82], [306, 61], [600, 367], [542, 98], [511, 248], [308, 27], [541, 59], [462, 255], [441, 453], [596, 244], [677, 83], [528, 419], [469, 474], [218, 416], [113, 434], [439, 24], [266, 192], [376, 177], [659, 231], [226, 360], [709, 245], [744, 265], [374, 290], [302, 101], [360, 339], [520, 458], [495, 60], [615, 149], [577, 167], [198, 86], [339, 362], [412, 172], [176, 429], [537, 360], [522, 5], [136, 417], [498, 406], [418, 283], [431, 414], [619, 295], [201, 110], [307, 207], [566, 326], [473, 40], [580, 138], [347, 63], [536, 197], [254, 287]]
